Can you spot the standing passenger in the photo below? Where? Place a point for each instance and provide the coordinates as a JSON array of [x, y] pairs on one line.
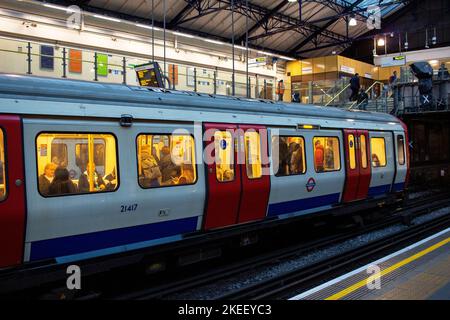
[[329, 155], [318, 156], [83, 182]]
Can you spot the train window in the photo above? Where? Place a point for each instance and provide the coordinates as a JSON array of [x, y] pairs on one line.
[[166, 160], [224, 150], [401, 150], [326, 154], [288, 155], [253, 154], [2, 167], [74, 166], [363, 151], [351, 151], [378, 147]]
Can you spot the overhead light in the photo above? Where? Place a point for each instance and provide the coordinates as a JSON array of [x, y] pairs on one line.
[[66, 9], [183, 34], [146, 26], [292, 0], [240, 47], [106, 18], [352, 22], [265, 53], [333, 52], [287, 58], [213, 41], [433, 62], [381, 42]]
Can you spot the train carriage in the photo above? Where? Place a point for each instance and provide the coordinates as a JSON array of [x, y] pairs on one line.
[[131, 167]]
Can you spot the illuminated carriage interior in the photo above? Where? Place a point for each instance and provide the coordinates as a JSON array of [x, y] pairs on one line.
[[2, 167]]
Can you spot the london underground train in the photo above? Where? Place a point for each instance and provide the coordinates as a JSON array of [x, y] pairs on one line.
[[93, 169]]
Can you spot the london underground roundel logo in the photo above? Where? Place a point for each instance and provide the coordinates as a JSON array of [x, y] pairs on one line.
[[310, 184]]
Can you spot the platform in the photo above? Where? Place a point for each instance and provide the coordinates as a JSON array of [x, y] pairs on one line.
[[418, 272]]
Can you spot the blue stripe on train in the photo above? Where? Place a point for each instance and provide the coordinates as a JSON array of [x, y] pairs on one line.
[[379, 190], [303, 204], [398, 187], [76, 244]]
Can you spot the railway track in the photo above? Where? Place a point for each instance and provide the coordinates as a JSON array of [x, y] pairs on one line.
[[285, 285], [403, 215]]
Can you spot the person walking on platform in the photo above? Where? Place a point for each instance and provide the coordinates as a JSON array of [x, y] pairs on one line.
[[354, 86], [280, 90], [393, 80], [363, 99], [443, 76]]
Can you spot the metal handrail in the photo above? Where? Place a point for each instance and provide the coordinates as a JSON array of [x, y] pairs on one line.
[[337, 95], [368, 89]]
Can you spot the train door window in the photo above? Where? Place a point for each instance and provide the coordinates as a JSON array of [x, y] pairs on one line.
[[401, 150], [288, 155], [80, 168], [252, 144], [351, 151], [363, 151], [224, 150], [2, 167], [326, 154], [166, 160], [59, 152], [378, 147], [81, 155]]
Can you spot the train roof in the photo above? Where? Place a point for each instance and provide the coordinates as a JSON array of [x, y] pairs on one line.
[[86, 92]]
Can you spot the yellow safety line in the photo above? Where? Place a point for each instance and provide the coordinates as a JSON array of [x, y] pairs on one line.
[[394, 267]]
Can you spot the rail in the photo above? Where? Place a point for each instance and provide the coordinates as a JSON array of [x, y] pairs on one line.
[[366, 91], [337, 95]]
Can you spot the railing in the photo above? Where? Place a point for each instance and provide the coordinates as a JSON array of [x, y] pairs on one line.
[[367, 91], [33, 58], [338, 94]]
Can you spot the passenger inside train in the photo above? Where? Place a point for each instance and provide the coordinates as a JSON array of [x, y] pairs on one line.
[[326, 158], [291, 155], [76, 163], [165, 160], [378, 147]]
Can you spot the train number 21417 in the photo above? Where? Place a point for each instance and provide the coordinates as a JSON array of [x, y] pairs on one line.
[[128, 208]]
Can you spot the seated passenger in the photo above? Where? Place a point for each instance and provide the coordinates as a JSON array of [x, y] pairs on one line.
[[375, 160], [318, 156], [61, 183], [83, 182], [150, 169], [111, 180], [187, 176], [169, 170], [46, 179]]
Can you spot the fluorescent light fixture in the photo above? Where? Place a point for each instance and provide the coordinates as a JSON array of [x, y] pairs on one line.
[[212, 41], [352, 22], [240, 47], [183, 34], [380, 42], [66, 9], [147, 27], [266, 53], [106, 18], [433, 62], [292, 0], [286, 58], [350, 120]]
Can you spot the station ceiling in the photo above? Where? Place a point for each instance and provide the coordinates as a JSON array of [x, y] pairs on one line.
[[302, 28]]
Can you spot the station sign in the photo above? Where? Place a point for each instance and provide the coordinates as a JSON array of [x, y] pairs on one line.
[[149, 75], [392, 61], [348, 69], [258, 61]]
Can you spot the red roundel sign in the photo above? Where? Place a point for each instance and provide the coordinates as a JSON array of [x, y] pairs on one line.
[[310, 184]]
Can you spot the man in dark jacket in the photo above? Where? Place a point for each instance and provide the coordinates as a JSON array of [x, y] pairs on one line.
[[354, 86], [47, 178], [83, 182]]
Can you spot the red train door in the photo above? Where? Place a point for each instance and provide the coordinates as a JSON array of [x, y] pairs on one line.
[[365, 172], [351, 166], [12, 192], [238, 189], [358, 172], [255, 179], [222, 174]]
